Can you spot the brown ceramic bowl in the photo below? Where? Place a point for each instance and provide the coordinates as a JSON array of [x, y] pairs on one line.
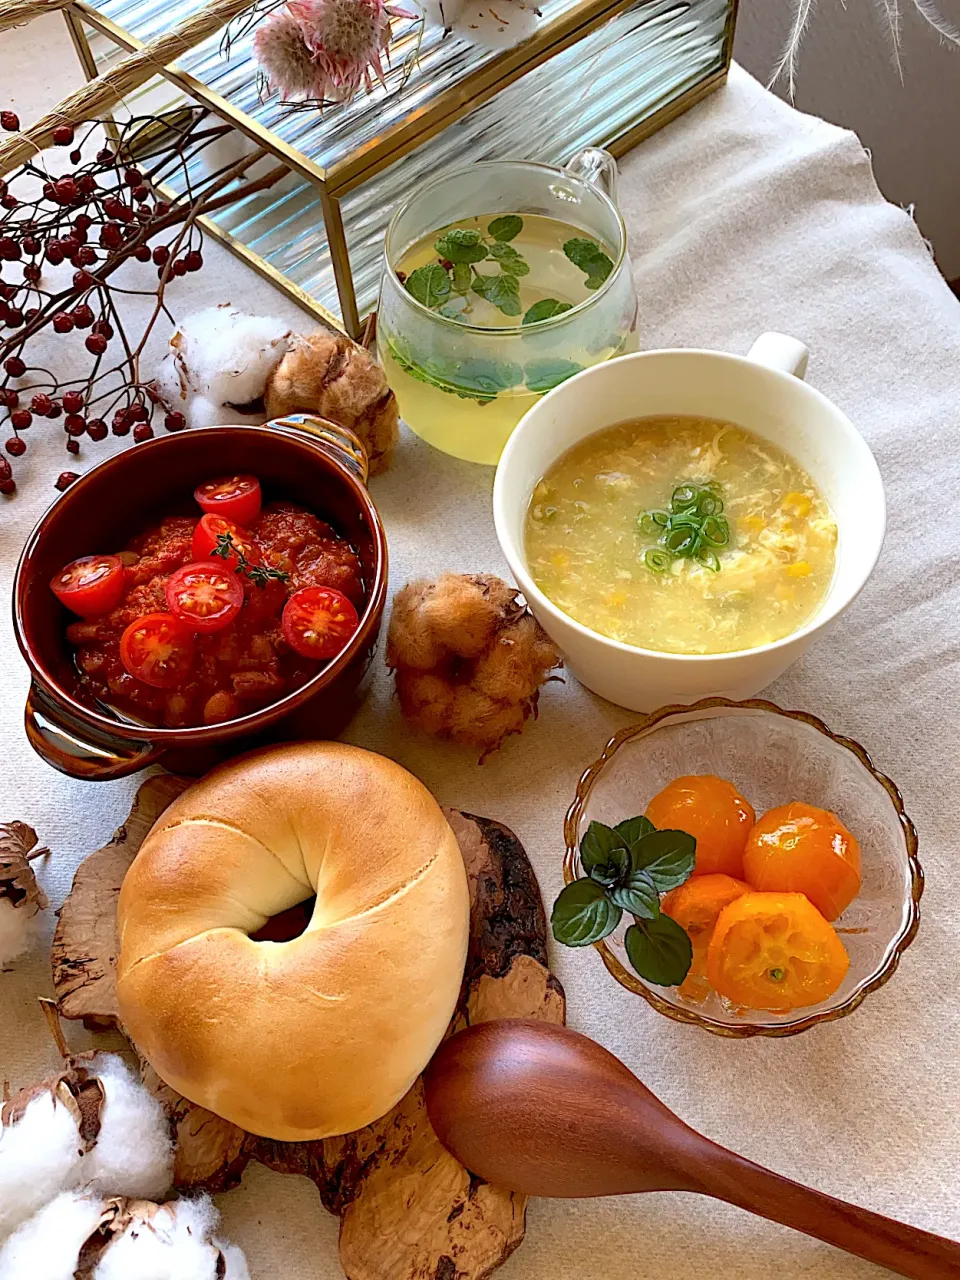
[[302, 459]]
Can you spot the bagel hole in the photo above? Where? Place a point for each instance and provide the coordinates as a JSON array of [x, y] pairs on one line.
[[288, 924]]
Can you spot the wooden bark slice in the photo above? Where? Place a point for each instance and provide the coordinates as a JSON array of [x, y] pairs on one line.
[[408, 1210]]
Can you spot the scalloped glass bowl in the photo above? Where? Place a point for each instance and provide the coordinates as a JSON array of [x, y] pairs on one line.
[[773, 756]]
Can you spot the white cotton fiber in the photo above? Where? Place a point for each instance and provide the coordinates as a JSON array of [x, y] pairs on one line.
[[39, 1155], [236, 1262], [174, 1245], [133, 1155], [18, 928], [47, 1246], [169, 384], [202, 412]]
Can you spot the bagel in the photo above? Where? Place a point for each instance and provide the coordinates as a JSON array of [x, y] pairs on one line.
[[324, 1033]]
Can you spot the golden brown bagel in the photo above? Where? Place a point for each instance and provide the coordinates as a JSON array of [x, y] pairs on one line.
[[322, 1034]]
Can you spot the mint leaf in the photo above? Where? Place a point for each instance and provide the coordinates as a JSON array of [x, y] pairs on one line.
[[638, 895], [451, 311], [459, 244], [667, 857], [506, 228], [429, 285], [614, 870], [583, 914], [502, 291], [545, 309], [543, 375], [659, 950], [481, 380], [462, 276], [634, 829], [590, 258], [597, 844], [509, 259]]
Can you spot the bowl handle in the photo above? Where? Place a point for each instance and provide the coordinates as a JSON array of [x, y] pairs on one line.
[[778, 351], [337, 440], [76, 751]]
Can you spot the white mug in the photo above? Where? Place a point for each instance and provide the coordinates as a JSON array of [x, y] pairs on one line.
[[763, 392]]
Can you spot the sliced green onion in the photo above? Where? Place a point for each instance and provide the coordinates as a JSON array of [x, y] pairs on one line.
[[715, 531], [690, 530], [657, 560], [709, 559], [684, 497], [708, 504]]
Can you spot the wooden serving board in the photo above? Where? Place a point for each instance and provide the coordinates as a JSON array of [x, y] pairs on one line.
[[408, 1210]]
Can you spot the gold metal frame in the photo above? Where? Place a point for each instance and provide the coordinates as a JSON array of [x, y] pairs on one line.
[[396, 142]]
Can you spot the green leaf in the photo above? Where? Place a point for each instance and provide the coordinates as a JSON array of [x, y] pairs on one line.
[[590, 258], [634, 829], [666, 856], [597, 844], [481, 380], [502, 291], [543, 375], [600, 268], [510, 260], [429, 285], [614, 870], [583, 914], [638, 895], [506, 228], [659, 950], [462, 277], [451, 311], [461, 245], [545, 309]]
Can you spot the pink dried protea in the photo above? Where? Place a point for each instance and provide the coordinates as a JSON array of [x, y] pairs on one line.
[[326, 49]]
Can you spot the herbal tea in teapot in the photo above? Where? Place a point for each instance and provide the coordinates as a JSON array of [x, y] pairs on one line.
[[482, 315]]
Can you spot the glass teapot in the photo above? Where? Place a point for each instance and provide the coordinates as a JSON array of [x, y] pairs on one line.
[[499, 282]]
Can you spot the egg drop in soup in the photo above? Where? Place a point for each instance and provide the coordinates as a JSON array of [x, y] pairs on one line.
[[681, 534]]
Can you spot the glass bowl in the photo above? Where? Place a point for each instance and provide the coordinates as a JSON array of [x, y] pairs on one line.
[[773, 756]]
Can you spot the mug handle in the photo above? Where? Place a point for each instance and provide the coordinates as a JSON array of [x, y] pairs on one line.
[[74, 750], [597, 167], [778, 351], [340, 441]]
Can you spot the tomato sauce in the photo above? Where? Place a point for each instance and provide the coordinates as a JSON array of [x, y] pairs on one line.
[[240, 668]]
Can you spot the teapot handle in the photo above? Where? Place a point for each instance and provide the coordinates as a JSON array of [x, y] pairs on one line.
[[597, 167]]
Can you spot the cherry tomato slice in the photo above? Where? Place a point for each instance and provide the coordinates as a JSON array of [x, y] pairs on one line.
[[233, 497], [157, 649], [90, 585], [318, 621], [207, 536], [205, 596]]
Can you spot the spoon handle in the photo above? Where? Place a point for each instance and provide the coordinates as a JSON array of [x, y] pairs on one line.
[[908, 1251]]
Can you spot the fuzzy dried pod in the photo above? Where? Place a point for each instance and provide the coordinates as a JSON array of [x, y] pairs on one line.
[[21, 898], [327, 374], [468, 658]]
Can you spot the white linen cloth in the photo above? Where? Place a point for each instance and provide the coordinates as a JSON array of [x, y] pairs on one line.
[[743, 216]]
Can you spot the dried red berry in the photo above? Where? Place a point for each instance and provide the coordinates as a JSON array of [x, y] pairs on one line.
[[74, 424], [65, 479], [63, 135], [125, 213], [132, 177], [20, 419], [142, 253], [75, 156], [7, 291], [49, 192], [15, 366], [73, 446], [87, 255], [82, 316], [41, 403], [138, 412], [9, 201], [175, 422], [62, 322], [10, 121], [73, 401], [112, 207], [70, 244], [9, 249], [14, 317], [96, 344], [194, 260], [66, 190], [142, 431], [9, 397], [179, 267], [30, 244], [6, 471], [160, 254], [161, 208], [9, 487], [87, 184], [121, 425], [104, 327], [141, 193], [105, 156], [82, 222], [16, 447], [97, 429], [30, 315], [111, 235], [54, 411], [31, 272], [83, 279], [55, 254]]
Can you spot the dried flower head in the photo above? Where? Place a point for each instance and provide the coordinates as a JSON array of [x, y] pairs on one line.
[[286, 61]]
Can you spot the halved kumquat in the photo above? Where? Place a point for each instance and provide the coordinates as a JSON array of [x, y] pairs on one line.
[[696, 907], [797, 848], [711, 810]]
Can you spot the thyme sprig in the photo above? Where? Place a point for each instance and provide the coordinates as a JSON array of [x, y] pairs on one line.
[[259, 574]]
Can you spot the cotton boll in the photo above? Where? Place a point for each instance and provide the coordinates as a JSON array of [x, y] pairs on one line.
[[133, 1155], [39, 1155], [174, 1245], [18, 929], [236, 1262], [47, 1246], [170, 384]]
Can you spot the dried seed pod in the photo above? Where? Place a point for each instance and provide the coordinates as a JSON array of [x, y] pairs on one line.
[[468, 658], [328, 374], [21, 898]]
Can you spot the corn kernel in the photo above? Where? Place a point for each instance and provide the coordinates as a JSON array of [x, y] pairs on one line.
[[797, 504], [753, 523], [616, 599], [799, 569], [560, 559]]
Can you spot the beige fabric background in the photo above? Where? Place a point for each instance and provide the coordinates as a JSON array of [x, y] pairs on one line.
[[744, 216]]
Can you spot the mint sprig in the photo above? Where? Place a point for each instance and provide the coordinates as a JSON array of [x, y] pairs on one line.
[[590, 258], [459, 251], [626, 868]]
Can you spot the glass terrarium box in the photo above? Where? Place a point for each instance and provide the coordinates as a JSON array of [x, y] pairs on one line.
[[589, 73]]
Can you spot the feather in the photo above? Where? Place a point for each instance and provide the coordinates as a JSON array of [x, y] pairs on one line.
[[930, 13], [788, 59], [891, 12]]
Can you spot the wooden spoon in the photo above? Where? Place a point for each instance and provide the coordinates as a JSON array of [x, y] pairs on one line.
[[542, 1110]]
